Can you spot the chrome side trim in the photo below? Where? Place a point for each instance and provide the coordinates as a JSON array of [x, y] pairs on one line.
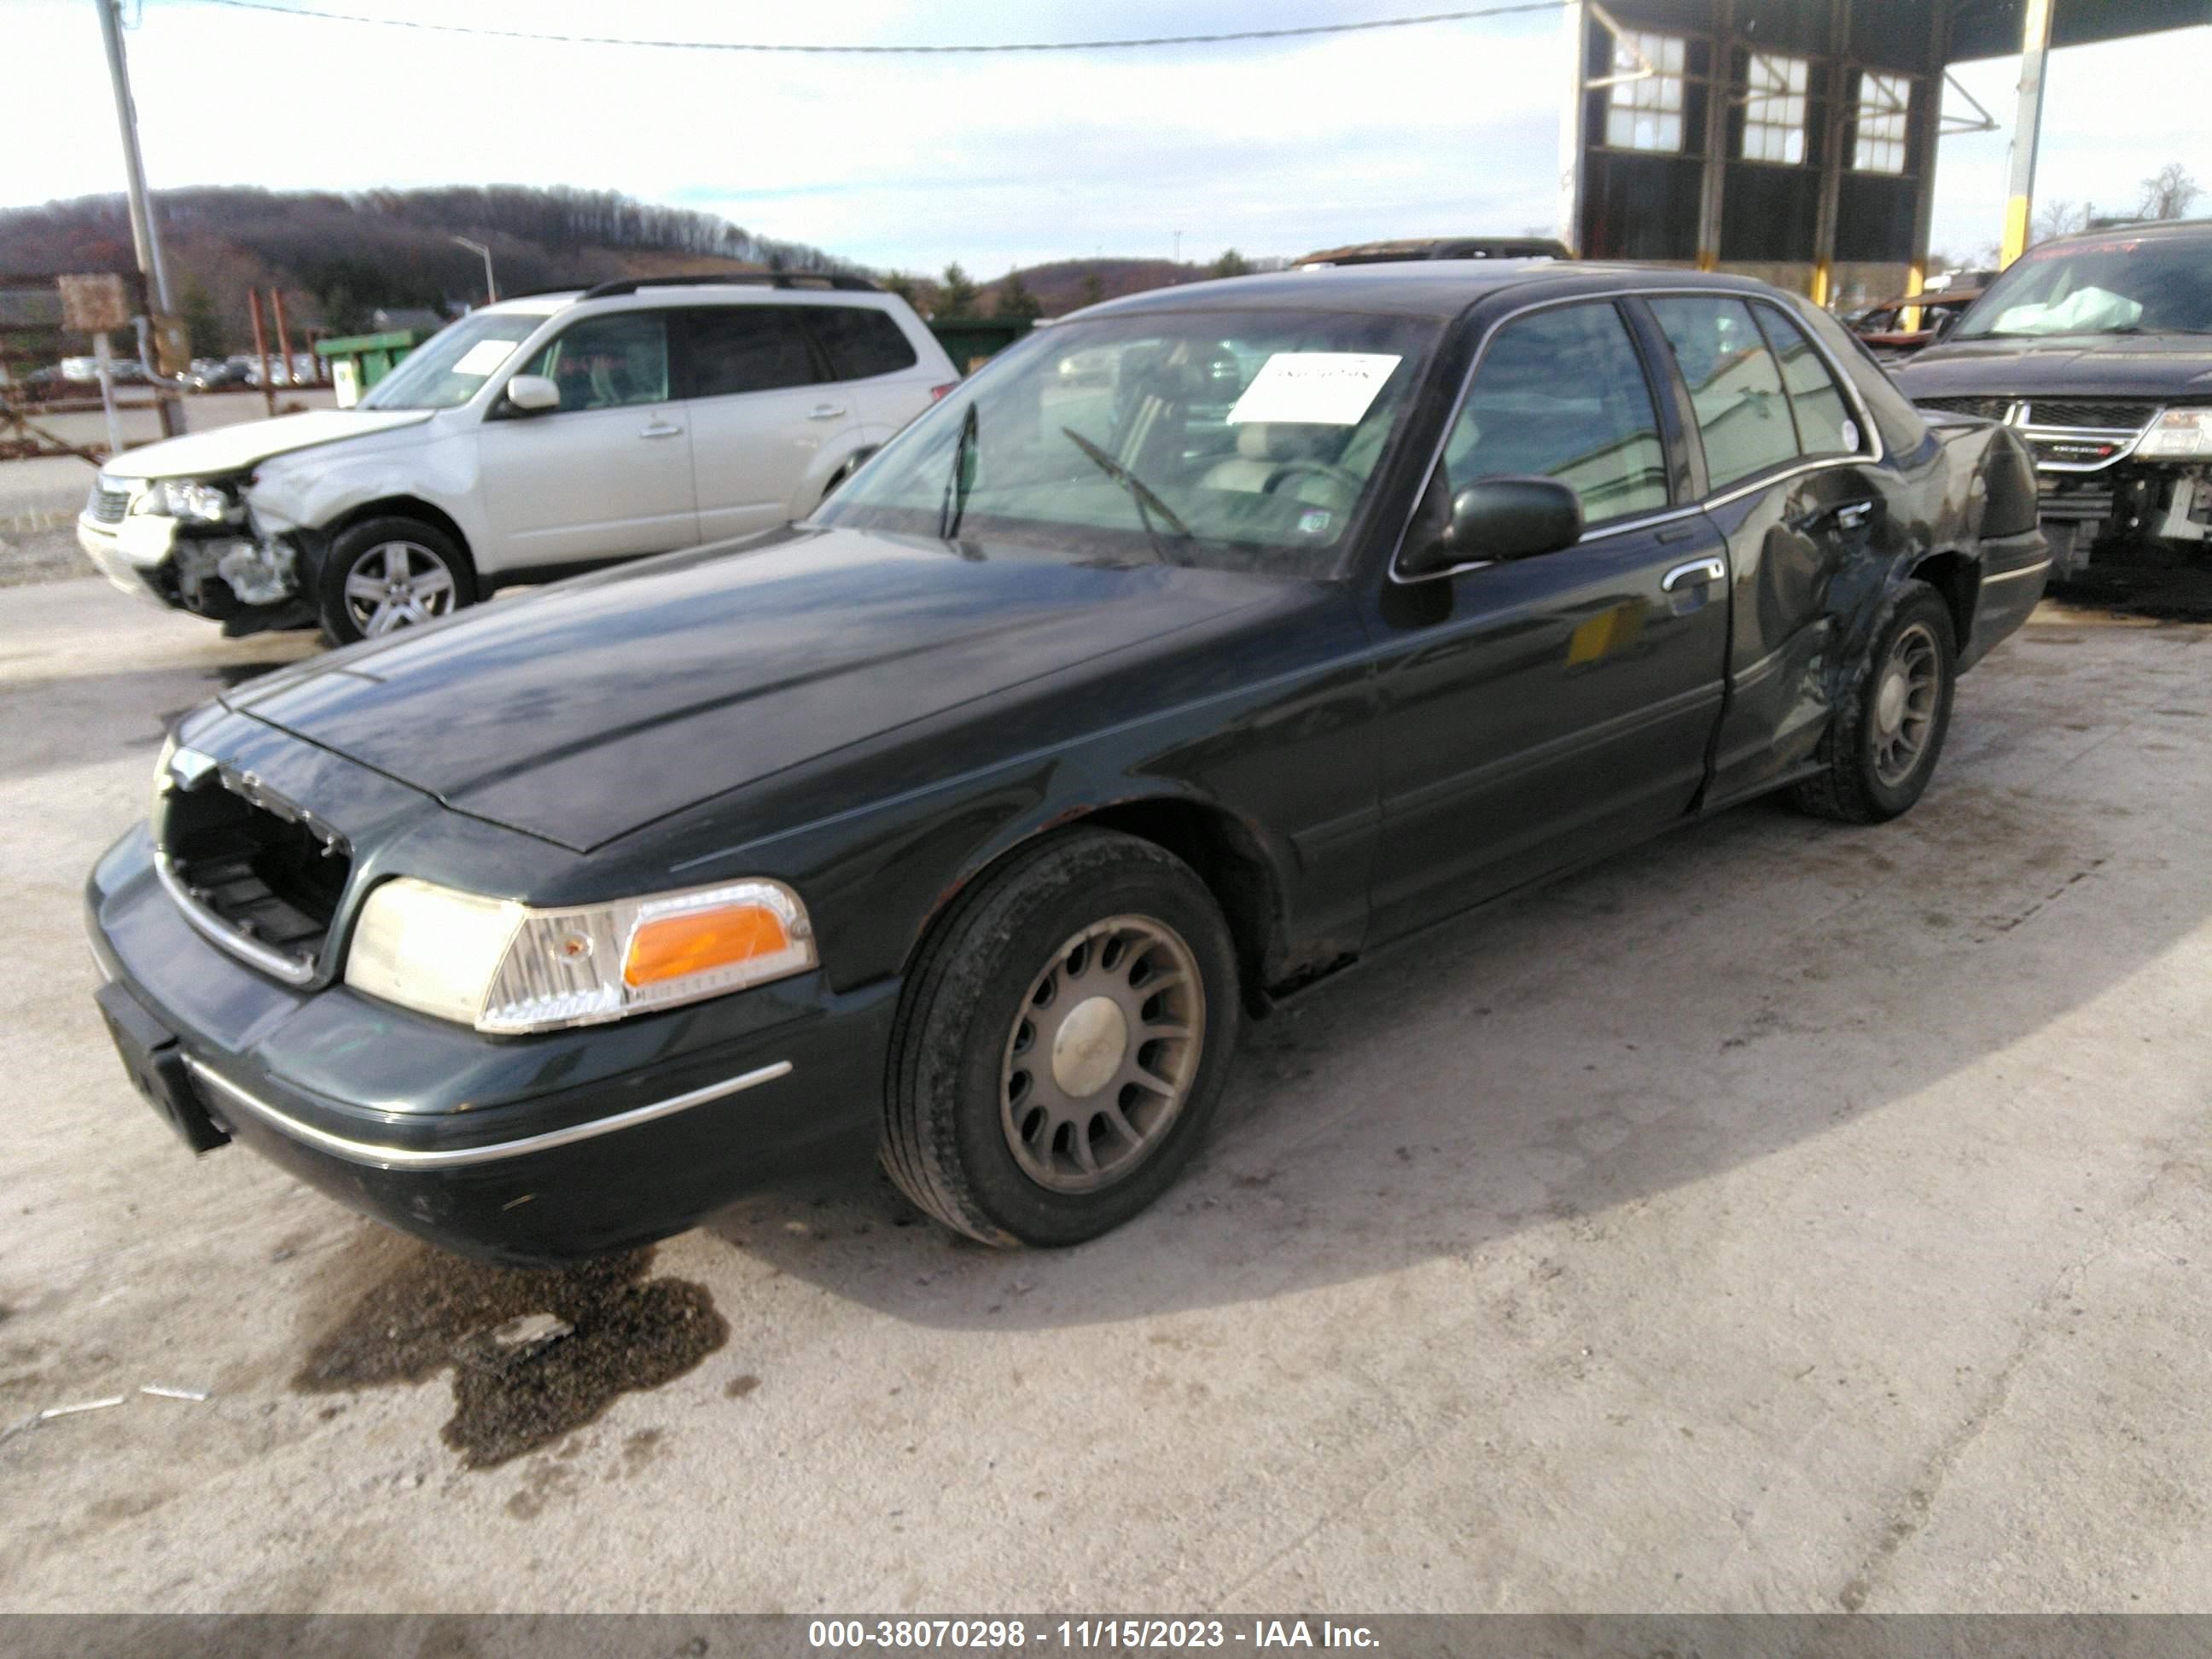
[[1681, 510], [276, 963], [403, 1157], [2015, 575]]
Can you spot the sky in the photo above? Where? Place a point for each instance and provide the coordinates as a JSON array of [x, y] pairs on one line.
[[996, 160]]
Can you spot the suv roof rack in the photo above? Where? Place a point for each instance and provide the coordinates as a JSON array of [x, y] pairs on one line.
[[733, 279]]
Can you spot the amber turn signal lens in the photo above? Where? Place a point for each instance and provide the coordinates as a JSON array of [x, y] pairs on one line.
[[671, 947]]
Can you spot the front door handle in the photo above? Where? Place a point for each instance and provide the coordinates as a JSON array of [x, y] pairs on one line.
[[661, 429], [826, 412], [1696, 573]]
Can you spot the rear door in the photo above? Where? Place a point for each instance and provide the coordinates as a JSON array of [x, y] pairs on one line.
[[1794, 486], [1535, 713], [875, 365], [766, 428], [606, 475]]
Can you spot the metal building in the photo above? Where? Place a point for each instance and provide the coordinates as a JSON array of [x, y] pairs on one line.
[[1794, 139]]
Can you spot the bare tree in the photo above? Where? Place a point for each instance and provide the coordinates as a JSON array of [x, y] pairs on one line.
[[2168, 193], [2060, 217]]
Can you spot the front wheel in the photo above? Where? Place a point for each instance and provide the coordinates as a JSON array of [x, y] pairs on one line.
[[384, 575], [1062, 1042], [1889, 729]]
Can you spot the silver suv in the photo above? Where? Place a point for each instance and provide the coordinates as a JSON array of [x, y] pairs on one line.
[[530, 440]]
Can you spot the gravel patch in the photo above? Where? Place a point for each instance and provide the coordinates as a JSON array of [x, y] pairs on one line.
[[41, 547]]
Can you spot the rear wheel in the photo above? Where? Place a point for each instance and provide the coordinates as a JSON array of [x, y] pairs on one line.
[[384, 575], [1062, 1043], [1889, 729]]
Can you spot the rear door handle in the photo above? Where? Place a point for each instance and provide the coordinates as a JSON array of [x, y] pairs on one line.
[[826, 412], [661, 429], [1844, 515], [1696, 573]]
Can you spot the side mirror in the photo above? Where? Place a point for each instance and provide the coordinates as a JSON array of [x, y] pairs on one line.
[[533, 394], [1500, 518], [1942, 322]]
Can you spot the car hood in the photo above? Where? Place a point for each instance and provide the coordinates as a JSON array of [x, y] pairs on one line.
[[593, 707], [227, 449], [2078, 365]]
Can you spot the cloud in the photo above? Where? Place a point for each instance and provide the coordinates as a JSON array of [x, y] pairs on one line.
[[991, 161]]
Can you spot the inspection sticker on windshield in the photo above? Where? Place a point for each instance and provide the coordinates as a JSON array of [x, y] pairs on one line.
[[1314, 388], [484, 356]]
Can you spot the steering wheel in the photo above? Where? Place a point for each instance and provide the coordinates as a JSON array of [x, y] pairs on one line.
[[1334, 474]]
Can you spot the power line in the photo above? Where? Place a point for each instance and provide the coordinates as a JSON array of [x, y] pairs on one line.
[[1464, 15]]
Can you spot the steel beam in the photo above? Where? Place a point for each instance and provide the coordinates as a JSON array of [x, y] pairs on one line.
[[1833, 115], [1574, 29], [2027, 125], [1712, 178]]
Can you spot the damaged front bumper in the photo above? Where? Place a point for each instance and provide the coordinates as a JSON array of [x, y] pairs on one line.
[[2131, 508], [230, 574]]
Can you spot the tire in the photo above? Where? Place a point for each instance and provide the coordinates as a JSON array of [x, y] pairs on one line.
[[837, 479], [1888, 733], [439, 579], [980, 1124]]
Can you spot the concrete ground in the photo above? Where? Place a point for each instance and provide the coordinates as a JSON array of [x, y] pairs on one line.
[[1783, 1217]]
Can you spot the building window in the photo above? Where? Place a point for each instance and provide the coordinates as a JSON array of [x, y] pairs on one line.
[[1774, 110], [1885, 105], [1644, 108]]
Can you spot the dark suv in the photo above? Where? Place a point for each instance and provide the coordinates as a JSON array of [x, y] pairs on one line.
[[2098, 349]]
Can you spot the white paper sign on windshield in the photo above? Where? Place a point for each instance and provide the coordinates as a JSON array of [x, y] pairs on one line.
[[480, 359], [1314, 388]]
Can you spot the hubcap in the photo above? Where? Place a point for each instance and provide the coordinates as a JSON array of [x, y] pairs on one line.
[[1905, 695], [1102, 1053], [1090, 1046], [396, 584]]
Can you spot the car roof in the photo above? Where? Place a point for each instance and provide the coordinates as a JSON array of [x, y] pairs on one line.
[[1440, 288]]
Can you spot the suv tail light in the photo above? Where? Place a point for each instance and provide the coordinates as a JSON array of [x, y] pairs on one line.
[[937, 392]]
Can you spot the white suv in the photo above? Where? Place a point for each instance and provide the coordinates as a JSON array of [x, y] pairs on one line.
[[533, 439]]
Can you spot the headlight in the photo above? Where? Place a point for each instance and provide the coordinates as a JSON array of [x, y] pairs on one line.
[[505, 967], [185, 498], [2180, 432]]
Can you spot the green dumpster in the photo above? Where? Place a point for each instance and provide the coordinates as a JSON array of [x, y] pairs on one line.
[[970, 342], [356, 362]]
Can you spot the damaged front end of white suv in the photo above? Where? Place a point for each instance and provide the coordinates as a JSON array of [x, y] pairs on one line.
[[192, 544]]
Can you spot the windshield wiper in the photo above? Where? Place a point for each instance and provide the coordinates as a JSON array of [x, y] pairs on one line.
[[954, 508], [1146, 498]]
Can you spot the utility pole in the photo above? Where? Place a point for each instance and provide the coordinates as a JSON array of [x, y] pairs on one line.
[[145, 241]]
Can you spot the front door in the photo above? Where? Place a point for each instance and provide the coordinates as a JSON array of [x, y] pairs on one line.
[[606, 475], [1535, 713]]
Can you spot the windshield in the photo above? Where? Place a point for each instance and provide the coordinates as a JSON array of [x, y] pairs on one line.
[[1244, 441], [445, 371], [2124, 285]]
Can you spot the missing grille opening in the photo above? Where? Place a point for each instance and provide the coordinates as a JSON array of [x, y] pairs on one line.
[[268, 874]]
